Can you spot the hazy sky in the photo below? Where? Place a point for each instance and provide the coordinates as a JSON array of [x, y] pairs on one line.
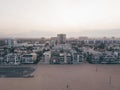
[[48, 17]]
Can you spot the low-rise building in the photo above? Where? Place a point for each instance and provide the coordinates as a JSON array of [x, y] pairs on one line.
[[29, 58], [12, 59], [61, 58], [47, 57], [1, 60], [109, 58]]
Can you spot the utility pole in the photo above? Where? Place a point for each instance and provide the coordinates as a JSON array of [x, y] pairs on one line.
[[110, 80], [96, 68]]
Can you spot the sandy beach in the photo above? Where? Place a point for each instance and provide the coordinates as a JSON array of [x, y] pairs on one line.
[[67, 77]]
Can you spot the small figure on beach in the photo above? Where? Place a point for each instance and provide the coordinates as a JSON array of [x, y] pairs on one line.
[[67, 86]]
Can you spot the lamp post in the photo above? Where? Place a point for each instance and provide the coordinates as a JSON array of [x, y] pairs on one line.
[[110, 81]]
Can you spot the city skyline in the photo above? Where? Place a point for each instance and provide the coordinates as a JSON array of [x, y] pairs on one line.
[[37, 18], [47, 34]]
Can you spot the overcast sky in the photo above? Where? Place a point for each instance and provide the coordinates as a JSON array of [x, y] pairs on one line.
[[49, 17]]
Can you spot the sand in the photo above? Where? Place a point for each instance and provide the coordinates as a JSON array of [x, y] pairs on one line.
[[67, 77]]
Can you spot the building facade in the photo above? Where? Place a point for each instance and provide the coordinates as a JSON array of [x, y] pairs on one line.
[[61, 38]]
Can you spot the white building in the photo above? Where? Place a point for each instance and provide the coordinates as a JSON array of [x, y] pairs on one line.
[[47, 57], [62, 47], [11, 42], [65, 58], [12, 59], [29, 58]]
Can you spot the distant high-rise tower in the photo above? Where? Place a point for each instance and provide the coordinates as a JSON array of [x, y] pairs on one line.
[[61, 38]]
